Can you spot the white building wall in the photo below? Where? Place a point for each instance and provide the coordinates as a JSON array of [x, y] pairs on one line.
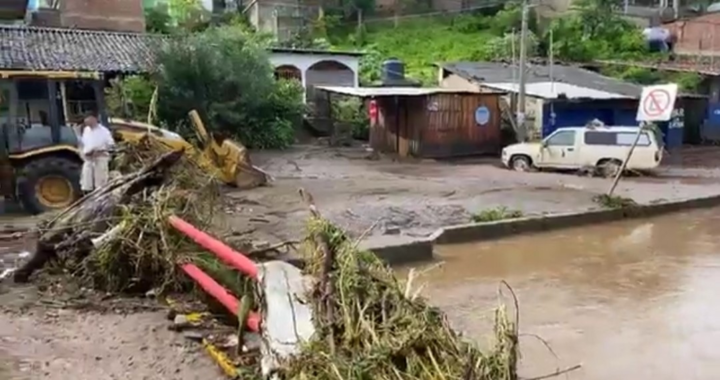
[[304, 62]]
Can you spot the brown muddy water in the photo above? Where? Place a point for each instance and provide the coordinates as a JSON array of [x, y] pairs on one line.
[[630, 300]]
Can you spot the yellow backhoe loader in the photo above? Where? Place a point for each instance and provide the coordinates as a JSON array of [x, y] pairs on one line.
[[226, 159], [40, 161]]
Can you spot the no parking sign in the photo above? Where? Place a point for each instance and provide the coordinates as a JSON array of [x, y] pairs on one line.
[[657, 102]]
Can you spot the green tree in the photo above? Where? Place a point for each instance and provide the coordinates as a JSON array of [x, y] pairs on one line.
[[594, 31], [225, 74], [158, 20], [130, 97]]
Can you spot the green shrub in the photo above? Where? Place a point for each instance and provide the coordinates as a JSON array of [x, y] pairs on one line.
[[129, 97], [495, 214], [350, 110], [224, 73]]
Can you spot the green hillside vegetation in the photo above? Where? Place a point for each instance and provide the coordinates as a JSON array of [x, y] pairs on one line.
[[593, 32]]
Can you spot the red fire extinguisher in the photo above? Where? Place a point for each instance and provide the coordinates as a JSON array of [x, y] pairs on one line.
[[373, 111]]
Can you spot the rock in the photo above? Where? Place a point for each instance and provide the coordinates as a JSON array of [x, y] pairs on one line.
[[180, 322], [229, 341], [195, 336], [258, 245], [251, 342], [391, 230]]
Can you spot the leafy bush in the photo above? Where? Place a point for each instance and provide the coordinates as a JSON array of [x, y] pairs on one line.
[[508, 45], [129, 97], [350, 110], [225, 74]]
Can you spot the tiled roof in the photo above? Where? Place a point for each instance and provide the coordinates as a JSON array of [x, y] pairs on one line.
[[35, 48]]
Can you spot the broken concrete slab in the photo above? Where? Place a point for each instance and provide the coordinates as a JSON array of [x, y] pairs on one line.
[[286, 321]]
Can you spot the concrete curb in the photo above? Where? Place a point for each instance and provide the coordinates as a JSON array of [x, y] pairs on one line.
[[421, 249]]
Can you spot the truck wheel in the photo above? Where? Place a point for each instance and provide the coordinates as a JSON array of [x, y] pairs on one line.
[[609, 167], [48, 183], [520, 163]]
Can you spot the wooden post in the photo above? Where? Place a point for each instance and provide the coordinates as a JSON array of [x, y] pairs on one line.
[[641, 129]]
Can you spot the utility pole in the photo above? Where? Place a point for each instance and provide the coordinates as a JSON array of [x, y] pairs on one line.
[[523, 70], [396, 13]]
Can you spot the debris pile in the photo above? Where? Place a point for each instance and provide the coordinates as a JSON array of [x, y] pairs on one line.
[[117, 238], [370, 326]]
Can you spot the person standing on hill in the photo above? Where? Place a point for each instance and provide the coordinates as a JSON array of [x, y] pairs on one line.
[[96, 142]]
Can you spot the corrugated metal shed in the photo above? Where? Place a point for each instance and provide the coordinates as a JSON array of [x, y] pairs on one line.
[[554, 90]]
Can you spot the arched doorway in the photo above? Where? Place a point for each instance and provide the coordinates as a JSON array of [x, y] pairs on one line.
[[327, 73], [288, 72]]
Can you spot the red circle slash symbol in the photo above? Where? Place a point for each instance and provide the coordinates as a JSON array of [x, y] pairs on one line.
[[656, 102]]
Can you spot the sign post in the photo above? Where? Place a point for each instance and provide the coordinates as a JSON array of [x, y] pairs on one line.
[[656, 104]]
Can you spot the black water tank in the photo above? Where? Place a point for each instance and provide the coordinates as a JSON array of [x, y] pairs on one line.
[[393, 70]]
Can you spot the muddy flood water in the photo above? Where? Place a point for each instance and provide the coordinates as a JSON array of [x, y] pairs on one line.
[[630, 300]]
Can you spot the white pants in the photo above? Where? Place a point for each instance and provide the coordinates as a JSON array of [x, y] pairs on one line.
[[95, 173]]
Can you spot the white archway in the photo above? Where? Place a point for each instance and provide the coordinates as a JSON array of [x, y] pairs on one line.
[[327, 73]]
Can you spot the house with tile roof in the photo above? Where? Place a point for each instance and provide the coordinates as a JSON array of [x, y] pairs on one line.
[[56, 36], [57, 49]]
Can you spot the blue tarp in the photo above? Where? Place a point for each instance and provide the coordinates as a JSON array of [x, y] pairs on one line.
[[579, 114]]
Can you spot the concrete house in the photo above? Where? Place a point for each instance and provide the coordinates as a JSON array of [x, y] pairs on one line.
[[109, 15]]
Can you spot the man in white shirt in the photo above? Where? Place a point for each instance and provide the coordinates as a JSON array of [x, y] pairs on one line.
[[95, 144]]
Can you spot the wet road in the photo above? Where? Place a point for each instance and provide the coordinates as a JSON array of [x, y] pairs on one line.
[[631, 300]]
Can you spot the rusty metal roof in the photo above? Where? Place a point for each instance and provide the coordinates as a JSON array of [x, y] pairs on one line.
[[36, 48], [366, 92]]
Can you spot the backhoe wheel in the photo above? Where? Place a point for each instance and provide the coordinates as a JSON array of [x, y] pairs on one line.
[[48, 183]]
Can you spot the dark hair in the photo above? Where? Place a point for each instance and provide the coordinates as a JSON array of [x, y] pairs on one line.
[[90, 114]]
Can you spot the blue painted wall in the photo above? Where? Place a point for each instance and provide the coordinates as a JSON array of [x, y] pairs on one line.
[[575, 114]]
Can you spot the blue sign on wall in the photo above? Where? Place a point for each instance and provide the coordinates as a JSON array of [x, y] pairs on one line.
[[482, 115]]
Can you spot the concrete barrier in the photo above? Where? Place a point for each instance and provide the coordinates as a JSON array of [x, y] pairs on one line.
[[407, 250]]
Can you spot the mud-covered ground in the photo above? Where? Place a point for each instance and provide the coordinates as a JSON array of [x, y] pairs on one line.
[[40, 342], [410, 197], [416, 197]]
